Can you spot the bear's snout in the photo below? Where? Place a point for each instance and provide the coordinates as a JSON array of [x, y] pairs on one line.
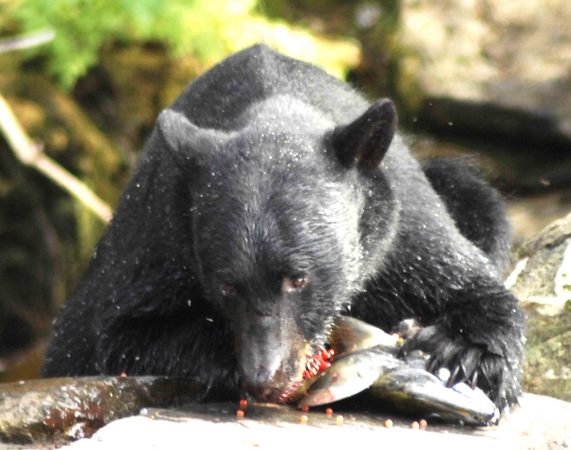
[[271, 356]]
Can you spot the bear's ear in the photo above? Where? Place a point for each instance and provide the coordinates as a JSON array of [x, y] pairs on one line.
[[365, 141], [184, 139]]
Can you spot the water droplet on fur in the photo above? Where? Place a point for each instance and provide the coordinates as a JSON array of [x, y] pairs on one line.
[[210, 319], [189, 303]]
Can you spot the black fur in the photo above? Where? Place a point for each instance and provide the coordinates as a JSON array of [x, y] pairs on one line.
[[270, 199], [477, 208]]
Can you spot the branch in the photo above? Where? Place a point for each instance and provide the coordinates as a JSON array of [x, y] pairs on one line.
[[26, 41], [31, 154]]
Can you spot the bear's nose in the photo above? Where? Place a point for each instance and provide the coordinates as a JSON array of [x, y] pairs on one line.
[[262, 376], [259, 384]]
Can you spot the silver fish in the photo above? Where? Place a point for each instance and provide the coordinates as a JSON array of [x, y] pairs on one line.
[[368, 359], [415, 390], [350, 374]]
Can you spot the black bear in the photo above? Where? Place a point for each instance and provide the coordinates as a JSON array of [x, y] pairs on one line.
[[270, 199]]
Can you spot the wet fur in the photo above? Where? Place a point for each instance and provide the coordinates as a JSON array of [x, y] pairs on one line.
[[254, 190]]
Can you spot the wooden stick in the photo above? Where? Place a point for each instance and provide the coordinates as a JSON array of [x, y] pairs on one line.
[[26, 41], [32, 155]]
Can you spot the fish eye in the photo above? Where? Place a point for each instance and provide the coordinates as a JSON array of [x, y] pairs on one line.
[[293, 283]]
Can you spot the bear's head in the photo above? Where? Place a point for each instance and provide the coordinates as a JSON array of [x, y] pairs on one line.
[[277, 229]]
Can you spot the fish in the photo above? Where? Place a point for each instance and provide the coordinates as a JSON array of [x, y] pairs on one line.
[[350, 335], [415, 391], [368, 359], [348, 375]]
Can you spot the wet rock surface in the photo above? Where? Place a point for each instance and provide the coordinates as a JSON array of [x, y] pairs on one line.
[[540, 423], [111, 412], [53, 411]]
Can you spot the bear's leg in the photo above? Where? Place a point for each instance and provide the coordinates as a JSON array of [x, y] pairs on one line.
[[479, 338], [476, 207]]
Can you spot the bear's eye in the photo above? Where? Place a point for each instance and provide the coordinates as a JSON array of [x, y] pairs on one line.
[[290, 284], [228, 290]]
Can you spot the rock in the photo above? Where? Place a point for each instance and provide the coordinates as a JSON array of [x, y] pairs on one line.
[[56, 410], [492, 69], [118, 406], [540, 423], [542, 277], [542, 281]]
